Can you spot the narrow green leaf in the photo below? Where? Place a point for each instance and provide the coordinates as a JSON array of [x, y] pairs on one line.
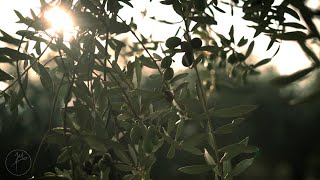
[[45, 77], [5, 76], [227, 167], [262, 62], [14, 54], [240, 168], [309, 52], [231, 34], [212, 49], [229, 127], [125, 168], [195, 139], [208, 158], [9, 39], [130, 177], [95, 143], [287, 79], [233, 150], [55, 177], [294, 25], [197, 60], [178, 77], [121, 155], [191, 149], [250, 48], [177, 7], [291, 36], [171, 152], [204, 20], [196, 169], [21, 18], [180, 129], [242, 42], [6, 59], [21, 92], [138, 71], [292, 12], [64, 156], [132, 154], [235, 111], [219, 9], [147, 62], [166, 2], [118, 46]]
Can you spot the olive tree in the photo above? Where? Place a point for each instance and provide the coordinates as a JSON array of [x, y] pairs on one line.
[[111, 122]]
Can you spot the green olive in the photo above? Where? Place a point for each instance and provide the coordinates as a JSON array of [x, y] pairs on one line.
[[196, 43], [173, 42], [168, 74], [166, 62], [187, 59]]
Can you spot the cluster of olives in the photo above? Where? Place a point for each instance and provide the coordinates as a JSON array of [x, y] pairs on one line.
[[98, 162], [186, 47]]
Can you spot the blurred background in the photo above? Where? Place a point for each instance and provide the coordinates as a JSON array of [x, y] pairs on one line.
[[285, 127]]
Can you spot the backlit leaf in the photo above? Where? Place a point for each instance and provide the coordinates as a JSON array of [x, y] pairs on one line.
[[204, 20], [5, 76], [287, 79]]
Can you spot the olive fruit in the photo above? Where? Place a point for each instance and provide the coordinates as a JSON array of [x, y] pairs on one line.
[[196, 43], [168, 74], [187, 59], [166, 62], [173, 42]]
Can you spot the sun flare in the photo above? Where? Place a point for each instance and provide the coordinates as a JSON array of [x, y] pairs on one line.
[[60, 21]]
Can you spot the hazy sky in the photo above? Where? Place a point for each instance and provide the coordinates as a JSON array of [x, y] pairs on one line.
[[289, 52]]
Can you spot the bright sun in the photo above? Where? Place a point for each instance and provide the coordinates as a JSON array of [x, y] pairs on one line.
[[60, 21]]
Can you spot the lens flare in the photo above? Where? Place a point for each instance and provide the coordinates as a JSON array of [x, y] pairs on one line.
[[60, 21]]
